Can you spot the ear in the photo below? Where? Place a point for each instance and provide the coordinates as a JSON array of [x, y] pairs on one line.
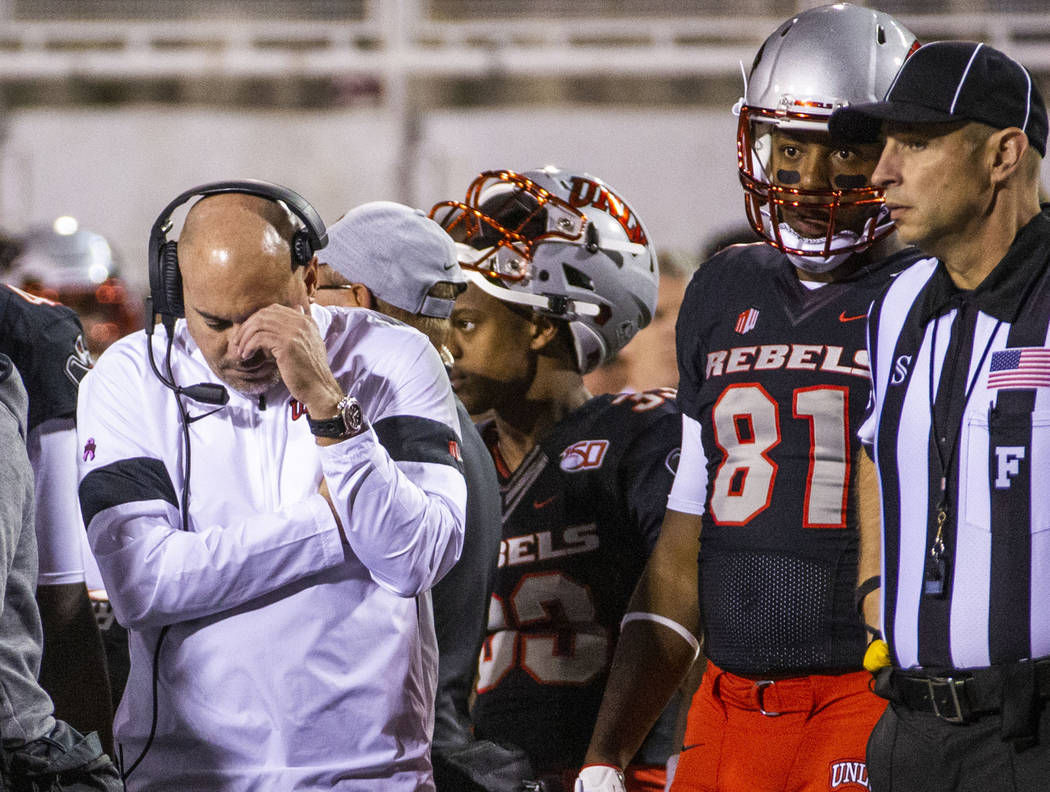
[[543, 331], [1006, 148], [361, 296], [310, 277]]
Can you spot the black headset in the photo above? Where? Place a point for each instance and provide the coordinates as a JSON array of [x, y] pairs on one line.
[[165, 280]]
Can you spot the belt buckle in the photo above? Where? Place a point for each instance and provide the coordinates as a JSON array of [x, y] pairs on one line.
[[958, 716], [761, 685]]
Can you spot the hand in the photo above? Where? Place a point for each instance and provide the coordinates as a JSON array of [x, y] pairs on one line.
[[291, 338], [323, 489], [600, 778]]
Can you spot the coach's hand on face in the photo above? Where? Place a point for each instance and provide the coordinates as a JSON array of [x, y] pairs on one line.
[[290, 337]]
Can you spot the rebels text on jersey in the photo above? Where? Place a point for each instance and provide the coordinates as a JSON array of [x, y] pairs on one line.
[[580, 516], [777, 376]]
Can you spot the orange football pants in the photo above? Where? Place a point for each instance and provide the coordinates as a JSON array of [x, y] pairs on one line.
[[811, 737]]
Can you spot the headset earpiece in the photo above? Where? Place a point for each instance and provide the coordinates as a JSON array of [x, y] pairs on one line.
[[301, 250], [170, 281], [165, 280]]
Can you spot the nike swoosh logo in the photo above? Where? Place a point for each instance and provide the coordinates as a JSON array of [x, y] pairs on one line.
[[844, 318], [449, 266], [542, 503]]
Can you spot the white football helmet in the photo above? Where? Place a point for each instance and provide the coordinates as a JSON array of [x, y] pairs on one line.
[[565, 244], [815, 62]]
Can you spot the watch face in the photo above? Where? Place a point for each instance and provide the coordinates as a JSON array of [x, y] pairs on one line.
[[349, 422], [352, 416]]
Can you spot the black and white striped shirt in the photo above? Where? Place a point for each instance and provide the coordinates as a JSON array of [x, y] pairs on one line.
[[979, 422]]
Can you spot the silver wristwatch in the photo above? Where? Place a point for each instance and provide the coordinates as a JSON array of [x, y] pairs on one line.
[[348, 423]]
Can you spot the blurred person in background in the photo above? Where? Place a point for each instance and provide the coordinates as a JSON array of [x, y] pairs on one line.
[[78, 268], [562, 275], [397, 261]]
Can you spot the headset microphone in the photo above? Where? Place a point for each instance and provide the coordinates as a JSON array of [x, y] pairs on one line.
[[206, 393]]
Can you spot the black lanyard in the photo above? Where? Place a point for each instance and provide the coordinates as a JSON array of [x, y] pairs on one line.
[[937, 566]]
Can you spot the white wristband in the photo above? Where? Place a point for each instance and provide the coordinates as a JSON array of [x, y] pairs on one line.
[[663, 620]]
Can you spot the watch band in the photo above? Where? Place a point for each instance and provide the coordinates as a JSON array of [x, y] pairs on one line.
[[350, 421]]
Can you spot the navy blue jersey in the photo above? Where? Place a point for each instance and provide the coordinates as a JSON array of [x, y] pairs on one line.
[[777, 376], [45, 341], [580, 516]]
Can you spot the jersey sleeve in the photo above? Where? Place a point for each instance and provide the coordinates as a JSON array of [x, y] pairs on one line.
[[52, 448], [689, 492], [399, 488], [155, 573], [689, 346]]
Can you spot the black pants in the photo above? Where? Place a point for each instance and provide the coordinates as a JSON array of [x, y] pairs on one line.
[[912, 751]]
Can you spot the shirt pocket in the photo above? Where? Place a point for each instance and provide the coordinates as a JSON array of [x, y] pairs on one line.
[[1005, 456]]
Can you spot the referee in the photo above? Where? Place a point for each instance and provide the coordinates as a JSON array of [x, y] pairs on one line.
[[960, 427]]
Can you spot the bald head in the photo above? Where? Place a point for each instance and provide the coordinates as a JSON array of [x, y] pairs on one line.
[[235, 258], [230, 223]]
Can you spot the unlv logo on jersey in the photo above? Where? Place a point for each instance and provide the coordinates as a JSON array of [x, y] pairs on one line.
[[588, 193], [848, 775], [746, 321], [584, 455], [78, 363]]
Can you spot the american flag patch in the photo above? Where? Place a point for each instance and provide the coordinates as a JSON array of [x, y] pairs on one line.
[[1024, 367], [746, 320]]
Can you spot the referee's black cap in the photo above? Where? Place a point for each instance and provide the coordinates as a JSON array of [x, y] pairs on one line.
[[952, 81]]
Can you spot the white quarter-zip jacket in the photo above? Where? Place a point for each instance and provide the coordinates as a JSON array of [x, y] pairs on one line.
[[292, 661]]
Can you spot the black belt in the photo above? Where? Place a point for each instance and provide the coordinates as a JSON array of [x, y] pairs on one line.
[[960, 696]]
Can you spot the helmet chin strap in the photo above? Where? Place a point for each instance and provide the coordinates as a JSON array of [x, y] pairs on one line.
[[817, 265], [843, 244], [570, 308], [589, 347]]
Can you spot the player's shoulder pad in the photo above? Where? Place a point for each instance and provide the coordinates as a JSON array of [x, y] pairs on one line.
[[890, 267], [35, 309], [735, 262], [730, 271], [617, 420], [44, 338]]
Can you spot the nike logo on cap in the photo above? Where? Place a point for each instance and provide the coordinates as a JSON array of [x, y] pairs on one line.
[[844, 318]]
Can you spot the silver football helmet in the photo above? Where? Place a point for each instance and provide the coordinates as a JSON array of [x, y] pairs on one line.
[[815, 62], [77, 267], [565, 244]]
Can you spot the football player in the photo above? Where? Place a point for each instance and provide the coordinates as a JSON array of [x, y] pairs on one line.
[[45, 341], [562, 275], [773, 384]]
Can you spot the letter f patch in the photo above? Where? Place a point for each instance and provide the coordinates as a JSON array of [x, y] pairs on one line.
[[1007, 464]]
